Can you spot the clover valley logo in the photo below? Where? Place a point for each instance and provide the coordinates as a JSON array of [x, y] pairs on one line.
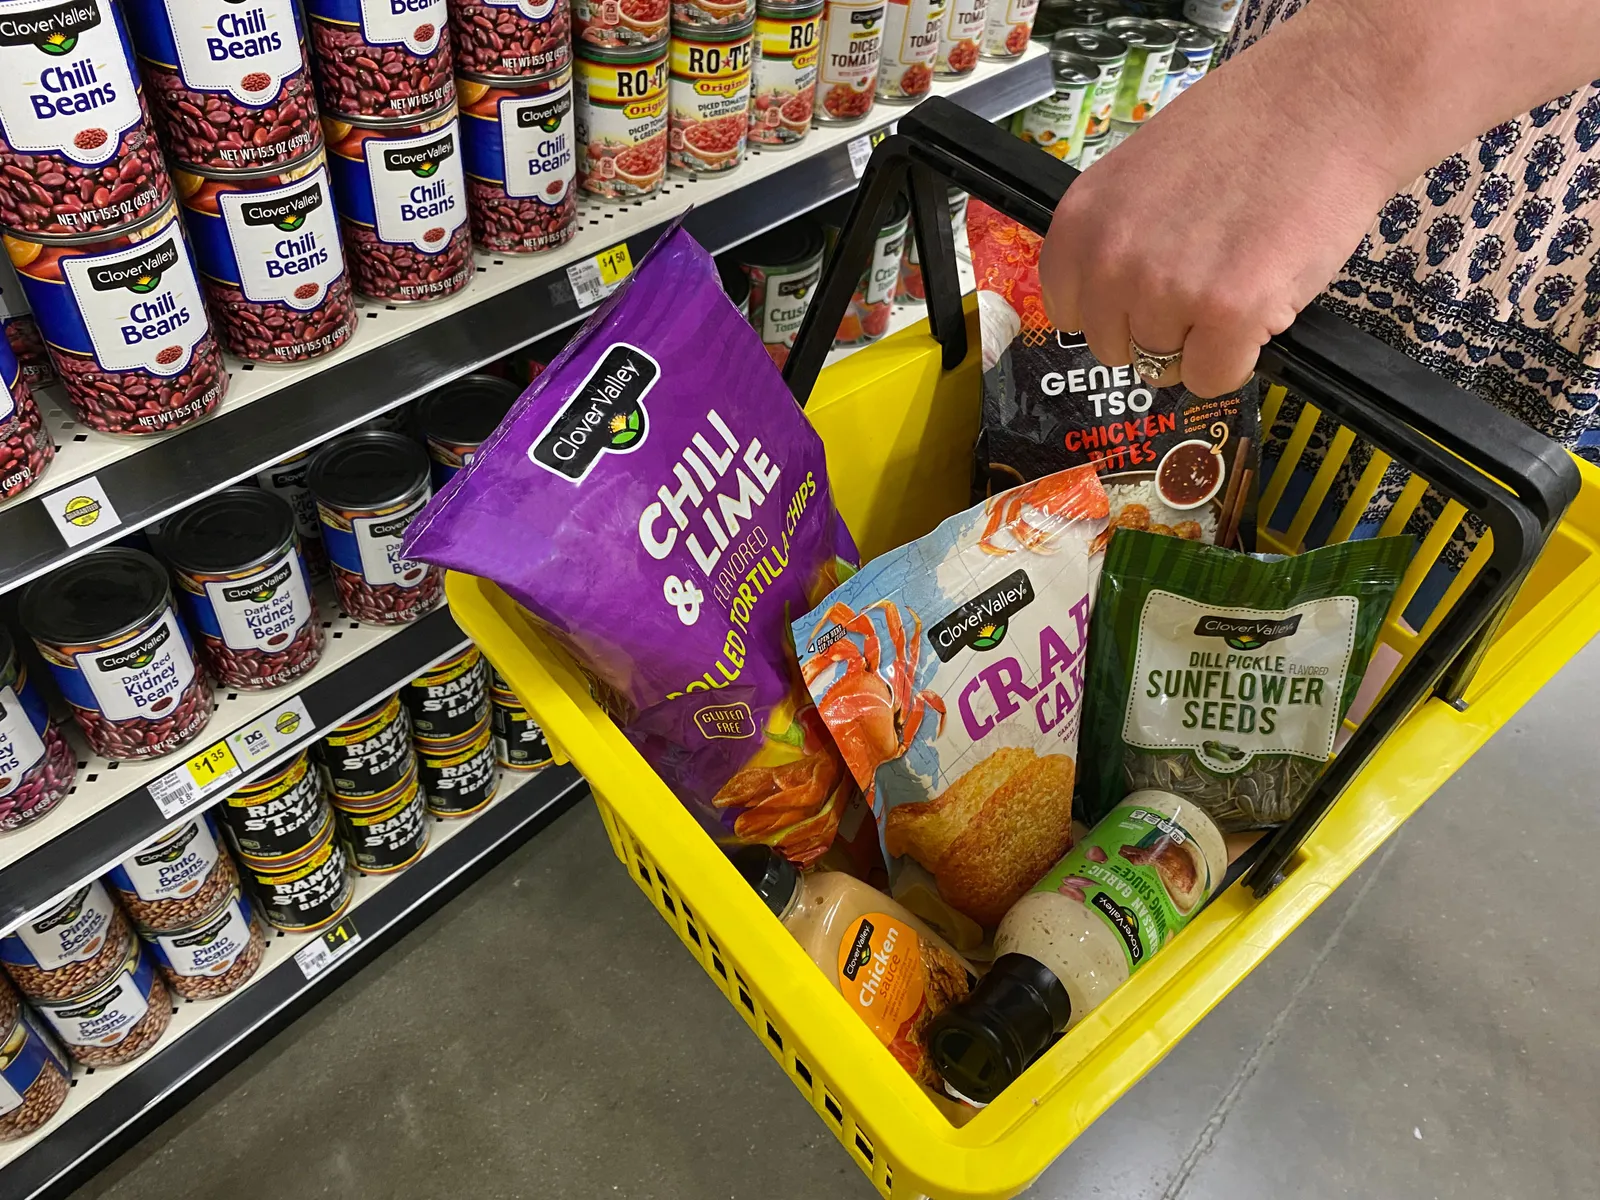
[[1244, 634], [53, 30], [606, 413], [981, 623], [140, 274]]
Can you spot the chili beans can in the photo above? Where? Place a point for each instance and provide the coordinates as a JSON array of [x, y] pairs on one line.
[[784, 266], [229, 84], [215, 955], [1110, 54], [117, 1021], [309, 895], [520, 144], [1007, 26], [69, 949], [288, 479], [384, 840], [619, 24], [867, 319], [25, 445], [1057, 123], [236, 558], [460, 779], [709, 97], [449, 701], [1150, 50], [277, 821], [519, 742], [21, 330], [784, 77], [35, 1078], [369, 755], [175, 879], [37, 765], [911, 31], [369, 485], [960, 35], [402, 199], [695, 17], [456, 419], [621, 120], [510, 39], [120, 656], [847, 68], [382, 58], [911, 288]]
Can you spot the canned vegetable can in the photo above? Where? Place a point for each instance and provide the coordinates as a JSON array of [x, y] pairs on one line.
[[1057, 123], [120, 656], [510, 39], [619, 24], [784, 266], [911, 288], [215, 955], [450, 701], [1150, 50], [309, 895], [960, 35], [117, 1021], [25, 445], [1191, 59], [519, 143], [176, 879], [519, 742], [1110, 54], [382, 841], [621, 103], [382, 58], [69, 949], [867, 319], [277, 821], [22, 331], [708, 88], [847, 69], [697, 16], [784, 77], [35, 1078], [368, 756], [911, 31], [37, 766], [456, 419], [1075, 14], [288, 479], [459, 779]]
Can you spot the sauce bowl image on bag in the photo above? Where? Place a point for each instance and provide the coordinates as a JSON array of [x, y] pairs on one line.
[[520, 147], [382, 58]]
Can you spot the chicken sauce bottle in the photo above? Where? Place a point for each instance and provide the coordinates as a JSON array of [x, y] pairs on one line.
[[1095, 918]]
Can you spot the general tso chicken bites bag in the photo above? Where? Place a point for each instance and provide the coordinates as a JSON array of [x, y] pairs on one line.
[[658, 500]]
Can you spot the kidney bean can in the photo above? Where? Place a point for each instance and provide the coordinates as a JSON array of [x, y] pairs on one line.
[[1057, 123], [369, 755], [35, 1078], [520, 144], [621, 110], [785, 266], [216, 954], [784, 77], [448, 702], [847, 69], [288, 479], [619, 24], [382, 58], [123, 660], [1150, 50], [384, 840], [277, 821], [22, 331], [460, 779], [176, 879], [243, 585], [456, 419], [1007, 26], [25, 445], [911, 31], [36, 763], [960, 34], [867, 319], [119, 1020], [402, 201], [228, 81], [510, 39], [69, 949], [1110, 54], [519, 743], [369, 486], [709, 97], [310, 895]]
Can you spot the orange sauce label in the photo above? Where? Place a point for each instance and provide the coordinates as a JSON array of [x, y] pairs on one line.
[[880, 973]]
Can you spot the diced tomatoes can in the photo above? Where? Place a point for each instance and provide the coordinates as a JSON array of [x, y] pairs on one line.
[[785, 266], [621, 102], [510, 39], [847, 69], [708, 89], [310, 894], [1150, 50], [619, 24], [520, 145], [1007, 26], [960, 36], [911, 30], [460, 778], [1110, 54], [1057, 123], [785, 73]]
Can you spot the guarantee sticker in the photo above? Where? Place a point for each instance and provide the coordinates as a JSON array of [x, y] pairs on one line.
[[81, 511]]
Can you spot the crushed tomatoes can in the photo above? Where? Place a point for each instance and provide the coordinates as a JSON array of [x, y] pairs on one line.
[[449, 701], [382, 58], [709, 97], [784, 267], [784, 78], [847, 71], [910, 45], [36, 763], [960, 34], [621, 113], [1007, 26], [369, 755], [520, 146], [867, 319], [277, 821], [510, 39], [619, 24], [460, 778], [309, 894], [456, 419], [389, 836], [25, 445]]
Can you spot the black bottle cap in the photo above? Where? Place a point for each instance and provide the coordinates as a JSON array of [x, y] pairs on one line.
[[772, 875], [982, 1044]]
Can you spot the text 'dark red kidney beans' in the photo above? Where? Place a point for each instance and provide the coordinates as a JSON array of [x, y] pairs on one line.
[[382, 58], [267, 245], [227, 81], [175, 880], [22, 331], [126, 325], [25, 445], [35, 1073], [311, 894], [369, 755], [118, 1021], [288, 479], [216, 954], [459, 779], [77, 151], [510, 39], [107, 629], [69, 949], [277, 820], [389, 839], [520, 144], [402, 206], [36, 764]]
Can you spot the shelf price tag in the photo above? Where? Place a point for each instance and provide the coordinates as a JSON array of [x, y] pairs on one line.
[[861, 148], [213, 765], [595, 278], [222, 762], [316, 957]]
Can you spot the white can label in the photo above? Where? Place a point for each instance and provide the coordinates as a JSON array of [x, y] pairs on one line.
[[263, 613], [418, 192], [388, 22], [378, 541], [852, 40], [1007, 26], [963, 23], [66, 84], [8, 409], [174, 866], [884, 271], [788, 295], [141, 678], [213, 948], [106, 1020], [141, 304], [246, 52], [21, 748], [286, 241], [536, 137], [72, 932]]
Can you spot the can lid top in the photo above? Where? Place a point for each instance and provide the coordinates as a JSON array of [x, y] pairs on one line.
[[238, 527], [731, 32], [654, 51], [1137, 31], [734, 281], [95, 597], [788, 245], [465, 411], [368, 469], [1093, 43], [788, 8], [1067, 66]]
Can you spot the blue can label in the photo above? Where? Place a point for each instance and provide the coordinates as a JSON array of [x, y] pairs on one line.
[[527, 147], [73, 931], [244, 50], [409, 190], [141, 677], [415, 24], [107, 1017], [278, 245], [371, 547], [22, 724], [28, 1054]]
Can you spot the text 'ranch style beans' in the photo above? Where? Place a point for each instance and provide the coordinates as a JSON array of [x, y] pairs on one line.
[[278, 821], [25, 445], [519, 743], [402, 202], [708, 92], [243, 587], [36, 763], [510, 39], [176, 879], [784, 266], [307, 895], [382, 58], [450, 701], [121, 658], [910, 45], [368, 756], [77, 151], [118, 1021], [70, 949], [697, 16], [34, 1078], [847, 73], [784, 79], [960, 35], [520, 144], [227, 80], [390, 835], [619, 24], [288, 479], [459, 779], [216, 954], [621, 101], [125, 322], [369, 485], [22, 331], [456, 419]]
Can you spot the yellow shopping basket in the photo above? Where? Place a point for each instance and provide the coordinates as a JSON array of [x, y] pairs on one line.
[[899, 423]]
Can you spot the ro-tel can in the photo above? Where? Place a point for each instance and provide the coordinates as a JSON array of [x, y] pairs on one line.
[[784, 76], [459, 779], [382, 58], [402, 200], [36, 763], [22, 331], [708, 89], [117, 1021], [1110, 54], [69, 949], [520, 143], [519, 743], [847, 70], [368, 486], [449, 701], [288, 479], [243, 586], [34, 1078], [455, 420], [25, 445], [216, 954], [389, 835], [1190, 60], [1150, 50], [369, 755], [784, 265], [911, 31], [1007, 26], [619, 24], [911, 288], [107, 629], [175, 879], [735, 283], [959, 37], [228, 81], [1056, 124], [867, 319], [510, 39], [277, 821], [621, 114], [1094, 149], [309, 894]]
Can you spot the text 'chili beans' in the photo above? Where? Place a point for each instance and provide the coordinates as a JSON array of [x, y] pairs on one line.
[[510, 39], [785, 74], [382, 58], [36, 764], [620, 101], [520, 144], [709, 98]]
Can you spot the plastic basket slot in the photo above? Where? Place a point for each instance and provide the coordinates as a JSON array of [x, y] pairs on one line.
[[774, 1036]]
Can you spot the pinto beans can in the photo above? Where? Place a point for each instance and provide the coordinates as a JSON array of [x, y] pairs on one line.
[[458, 418], [784, 266], [36, 764], [520, 143], [278, 820], [288, 479], [243, 585], [621, 106], [21, 330], [215, 955], [911, 31], [311, 894], [384, 840], [402, 201], [382, 58], [228, 82], [125, 322], [70, 949], [448, 702], [709, 97], [35, 1078], [959, 36], [369, 755], [123, 660], [176, 879], [118, 1021], [460, 779], [847, 72], [25, 445], [511, 39], [785, 73], [619, 24]]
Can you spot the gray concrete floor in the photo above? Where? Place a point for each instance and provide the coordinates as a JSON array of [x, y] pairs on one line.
[[1430, 1032]]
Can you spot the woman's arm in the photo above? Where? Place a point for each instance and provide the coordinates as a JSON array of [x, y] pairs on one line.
[[1235, 206]]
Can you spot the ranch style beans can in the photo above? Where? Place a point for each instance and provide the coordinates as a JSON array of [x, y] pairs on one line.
[[384, 840], [277, 821], [960, 35], [520, 145], [619, 24], [125, 321], [228, 82], [310, 894], [867, 319], [25, 445], [117, 1021], [459, 779], [1150, 50], [369, 755], [369, 485], [402, 199], [784, 77], [243, 586], [709, 97], [519, 743], [35, 1078], [176, 879], [69, 949], [450, 701], [382, 58], [1110, 54], [456, 419], [216, 954], [37, 765], [1057, 123], [910, 44], [1007, 26], [510, 39], [784, 266], [21, 330], [621, 116], [120, 656], [288, 479], [847, 69]]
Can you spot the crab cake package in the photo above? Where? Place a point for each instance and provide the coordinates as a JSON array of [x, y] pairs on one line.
[[950, 672], [659, 502]]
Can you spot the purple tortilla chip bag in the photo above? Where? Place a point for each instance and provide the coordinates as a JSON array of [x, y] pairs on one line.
[[658, 500]]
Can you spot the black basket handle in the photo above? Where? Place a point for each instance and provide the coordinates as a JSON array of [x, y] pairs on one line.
[[1514, 480]]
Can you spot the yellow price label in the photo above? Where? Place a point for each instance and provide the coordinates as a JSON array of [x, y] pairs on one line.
[[615, 265], [212, 764]]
